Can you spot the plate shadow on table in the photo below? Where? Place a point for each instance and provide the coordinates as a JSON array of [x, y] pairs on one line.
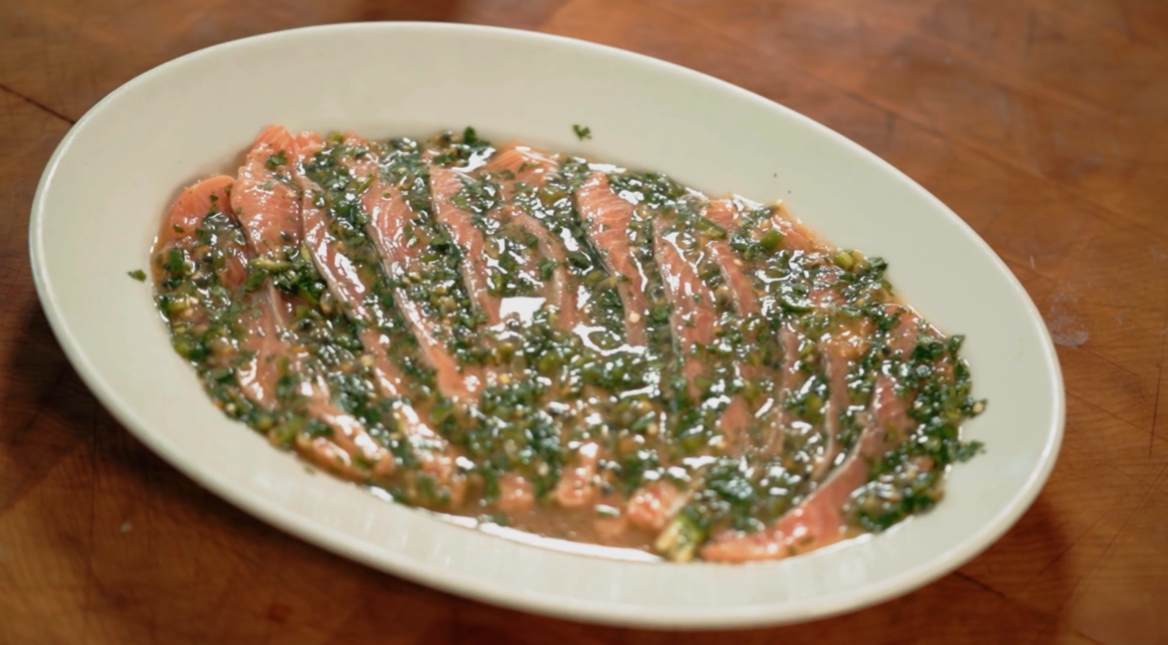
[[45, 413]]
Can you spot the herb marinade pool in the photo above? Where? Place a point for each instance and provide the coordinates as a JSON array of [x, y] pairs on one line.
[[563, 347]]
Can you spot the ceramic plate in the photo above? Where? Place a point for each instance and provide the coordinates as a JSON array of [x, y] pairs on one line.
[[104, 192]]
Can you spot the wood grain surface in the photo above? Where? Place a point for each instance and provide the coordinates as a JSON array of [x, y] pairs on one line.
[[1043, 123]]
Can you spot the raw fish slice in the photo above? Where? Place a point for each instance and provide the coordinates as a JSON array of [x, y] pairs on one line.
[[445, 184], [651, 507], [576, 487], [265, 198], [346, 284], [737, 415], [557, 289], [389, 223], [343, 279], [515, 166], [512, 167], [693, 316], [209, 196], [819, 520], [257, 374], [267, 206], [185, 217], [723, 213], [607, 218], [516, 494], [790, 378]]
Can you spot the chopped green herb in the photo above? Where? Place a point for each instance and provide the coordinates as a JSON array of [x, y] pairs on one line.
[[275, 161], [590, 352]]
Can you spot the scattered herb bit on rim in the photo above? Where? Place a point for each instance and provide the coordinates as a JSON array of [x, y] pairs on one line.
[[137, 274], [582, 131]]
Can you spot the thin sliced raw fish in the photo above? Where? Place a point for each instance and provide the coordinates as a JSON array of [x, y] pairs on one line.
[[514, 168], [265, 197], [790, 378], [257, 375], [517, 166], [796, 236], [651, 507], [724, 213], [343, 279], [576, 487], [445, 184], [348, 450], [389, 223], [267, 206], [693, 316], [836, 367], [516, 494], [818, 520], [557, 290], [607, 218], [837, 351], [352, 292], [212, 195], [349, 440], [735, 421], [186, 215], [737, 416]]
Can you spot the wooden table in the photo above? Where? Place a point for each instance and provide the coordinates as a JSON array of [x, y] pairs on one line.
[[1041, 122]]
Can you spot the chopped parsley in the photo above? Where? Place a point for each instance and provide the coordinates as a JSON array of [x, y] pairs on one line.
[[576, 400]]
